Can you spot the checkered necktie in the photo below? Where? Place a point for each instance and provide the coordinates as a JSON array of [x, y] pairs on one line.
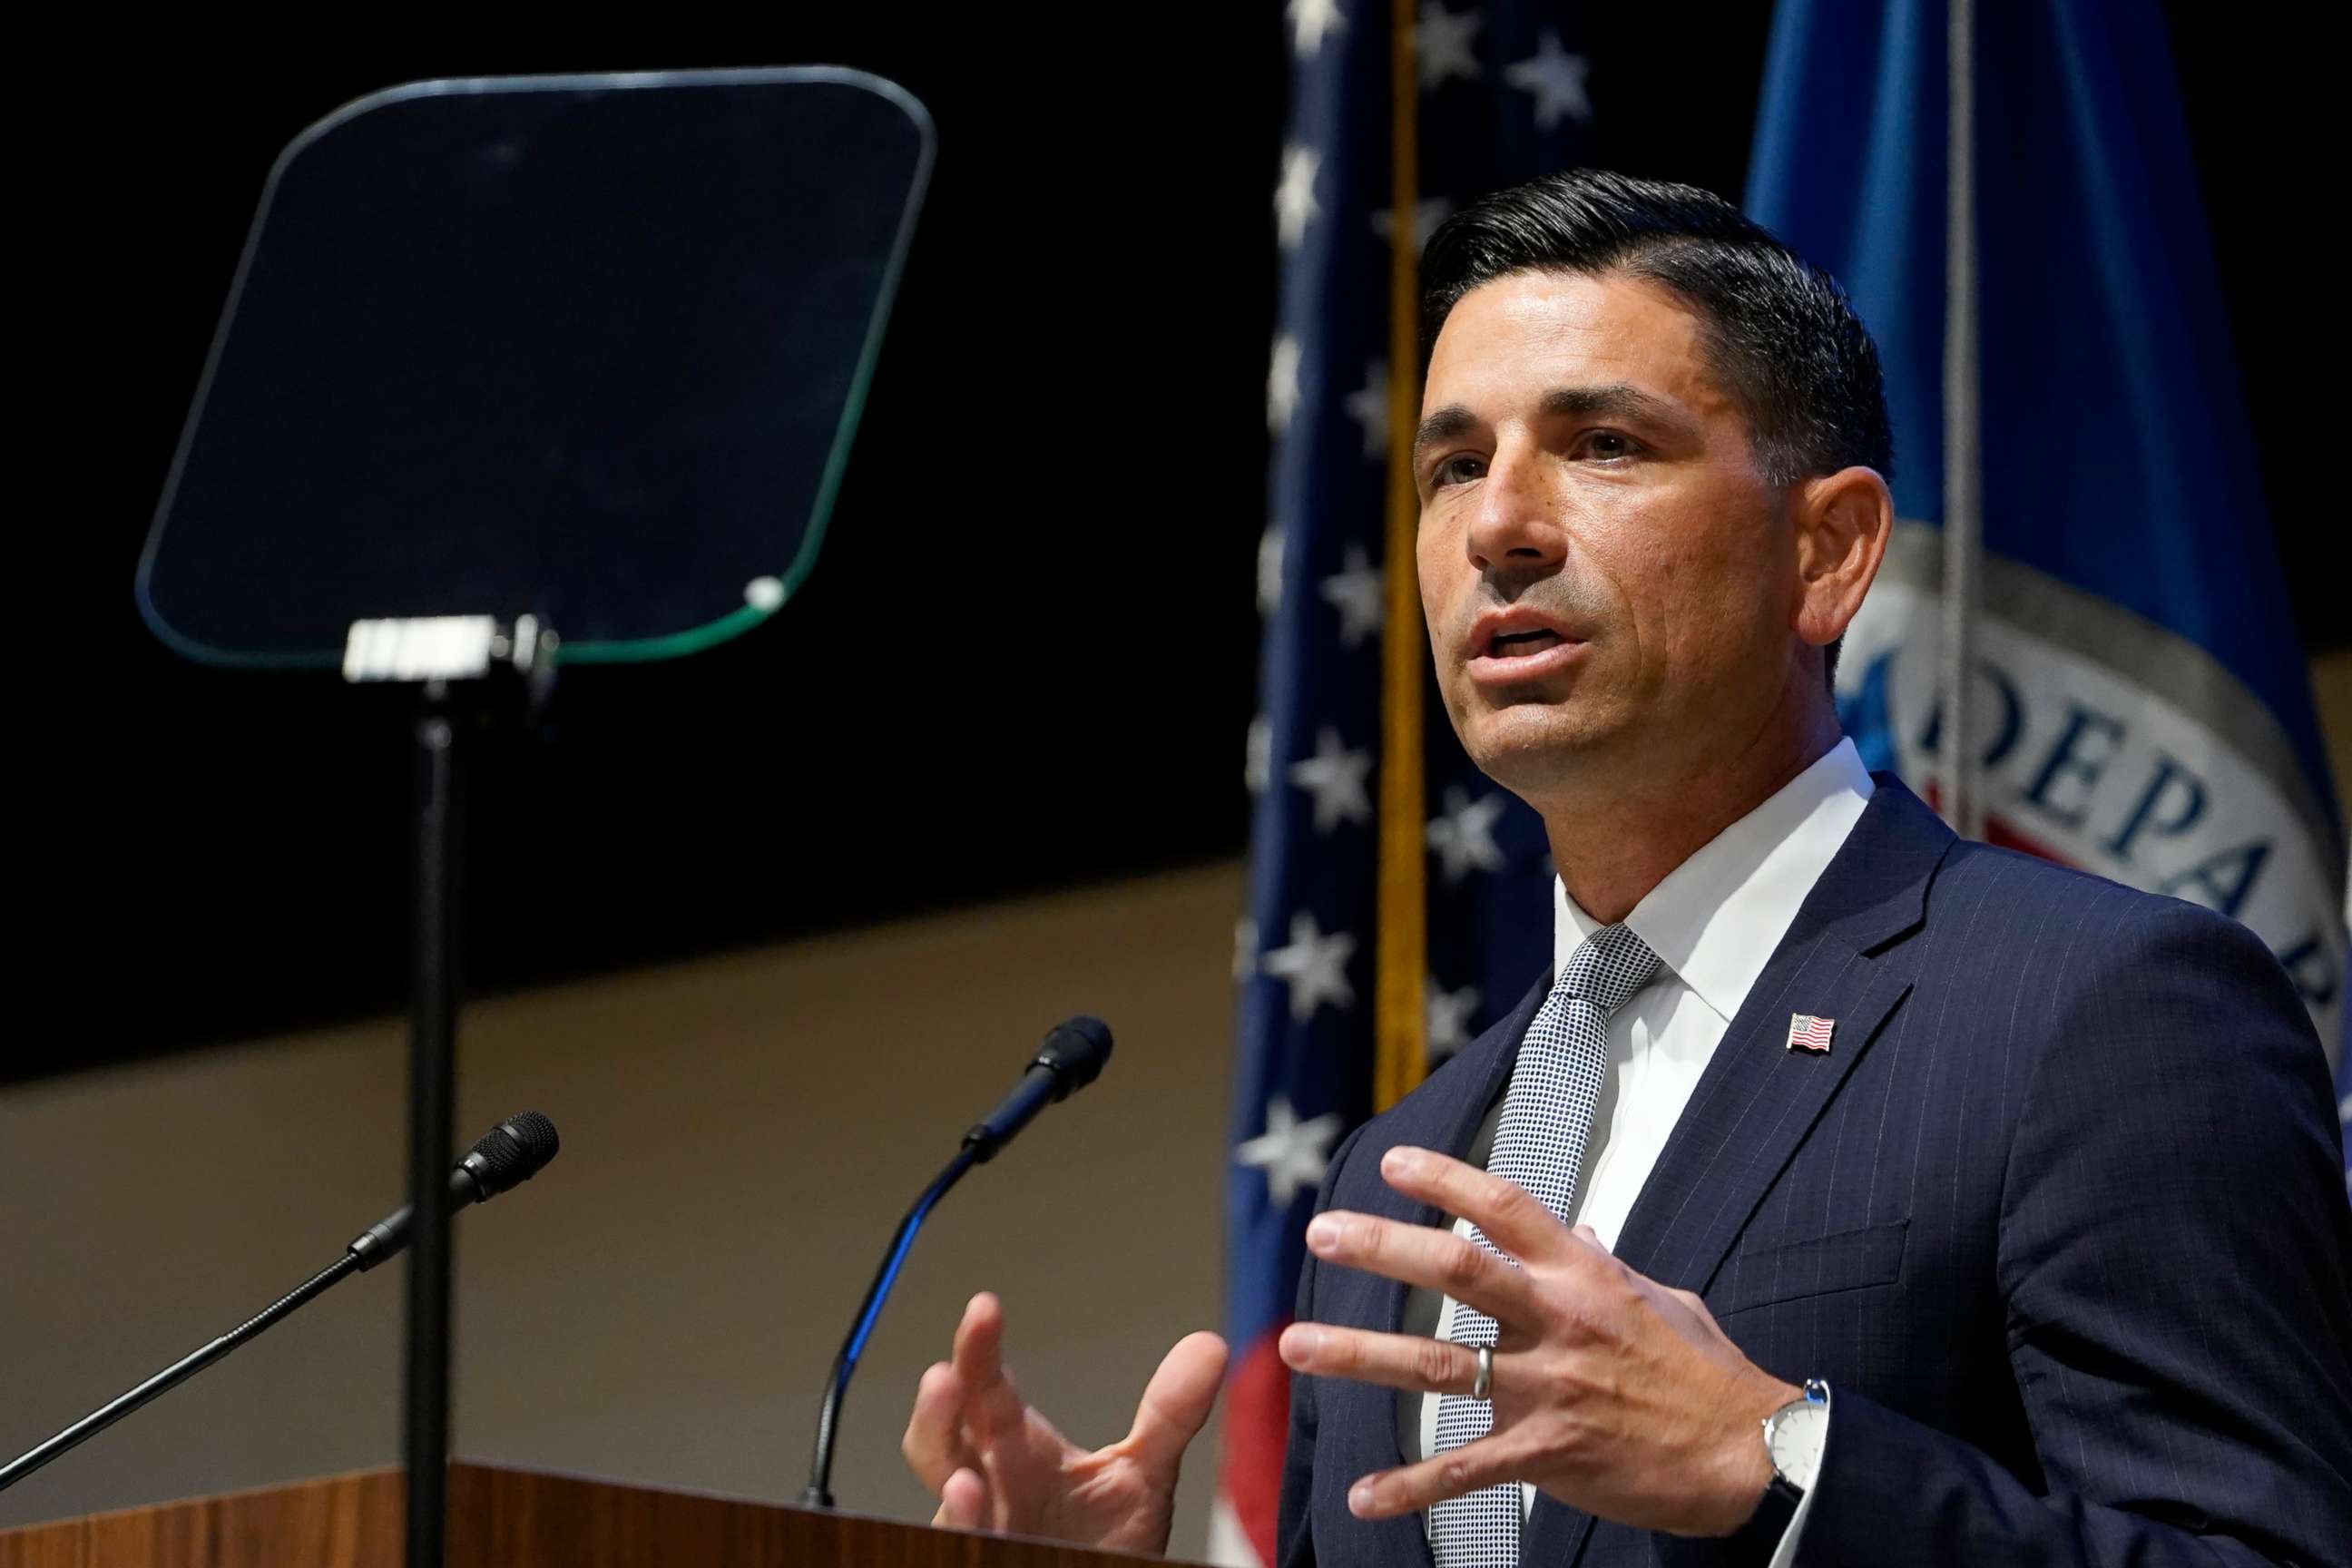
[[1539, 1144]]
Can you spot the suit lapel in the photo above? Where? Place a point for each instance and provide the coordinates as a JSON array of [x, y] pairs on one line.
[[1752, 1107], [1842, 960], [1487, 1069]]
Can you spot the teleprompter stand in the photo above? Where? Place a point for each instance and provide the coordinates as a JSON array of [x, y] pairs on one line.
[[591, 345], [469, 672]]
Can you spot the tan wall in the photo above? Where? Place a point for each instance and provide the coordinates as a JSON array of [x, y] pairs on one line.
[[739, 1135]]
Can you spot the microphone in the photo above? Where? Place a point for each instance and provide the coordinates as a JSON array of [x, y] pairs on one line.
[[1072, 1058], [508, 1155]]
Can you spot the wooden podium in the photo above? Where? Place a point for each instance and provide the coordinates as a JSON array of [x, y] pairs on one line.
[[502, 1518]]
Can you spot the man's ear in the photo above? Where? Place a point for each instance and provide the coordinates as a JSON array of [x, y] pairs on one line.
[[1841, 523]]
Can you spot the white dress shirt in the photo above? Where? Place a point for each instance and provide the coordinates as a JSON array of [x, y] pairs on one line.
[[1714, 922]]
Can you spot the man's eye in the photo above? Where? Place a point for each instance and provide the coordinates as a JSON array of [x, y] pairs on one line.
[[1607, 443], [1454, 470]]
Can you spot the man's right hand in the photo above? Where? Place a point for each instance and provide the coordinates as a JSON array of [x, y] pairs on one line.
[[996, 1464]]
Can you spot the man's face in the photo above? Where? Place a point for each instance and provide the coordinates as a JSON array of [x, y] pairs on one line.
[[1609, 579]]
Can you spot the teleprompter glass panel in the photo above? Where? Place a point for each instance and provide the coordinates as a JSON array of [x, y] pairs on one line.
[[585, 348]]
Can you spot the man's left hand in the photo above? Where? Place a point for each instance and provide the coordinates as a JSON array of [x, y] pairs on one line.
[[1611, 1392]]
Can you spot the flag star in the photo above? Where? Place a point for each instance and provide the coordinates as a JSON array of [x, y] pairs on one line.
[[1335, 776], [1257, 763], [1294, 198], [1294, 1154], [1442, 44], [1314, 965], [1270, 569], [1310, 22], [1557, 80], [1281, 384], [1427, 214], [1244, 948], [1358, 593], [1370, 408], [1449, 1018], [1465, 837]]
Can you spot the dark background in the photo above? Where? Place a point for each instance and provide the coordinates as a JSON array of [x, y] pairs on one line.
[[1027, 654]]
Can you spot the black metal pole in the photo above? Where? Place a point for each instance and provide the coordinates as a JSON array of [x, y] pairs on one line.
[[431, 1094]]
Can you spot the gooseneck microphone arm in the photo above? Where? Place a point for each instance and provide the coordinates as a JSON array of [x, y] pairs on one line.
[[508, 1155], [845, 1362], [178, 1372], [1069, 1061]]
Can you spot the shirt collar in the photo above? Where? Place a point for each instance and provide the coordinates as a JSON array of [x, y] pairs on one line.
[[1718, 916]]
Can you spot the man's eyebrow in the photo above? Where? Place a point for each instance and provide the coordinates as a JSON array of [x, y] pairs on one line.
[[1618, 399], [1443, 426]]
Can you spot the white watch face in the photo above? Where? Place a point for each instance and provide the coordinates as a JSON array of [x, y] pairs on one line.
[[1799, 1432]]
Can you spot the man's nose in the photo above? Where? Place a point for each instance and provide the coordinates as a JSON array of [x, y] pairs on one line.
[[1516, 526]]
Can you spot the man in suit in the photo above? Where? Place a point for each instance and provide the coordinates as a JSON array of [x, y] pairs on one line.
[[1847, 1190]]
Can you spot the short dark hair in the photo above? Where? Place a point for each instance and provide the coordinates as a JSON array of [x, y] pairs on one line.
[[1778, 330]]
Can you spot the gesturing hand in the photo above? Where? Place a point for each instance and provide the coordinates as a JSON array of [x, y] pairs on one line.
[[996, 1464], [1611, 1392]]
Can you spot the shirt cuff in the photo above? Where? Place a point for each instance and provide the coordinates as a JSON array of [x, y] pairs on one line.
[[1785, 1554]]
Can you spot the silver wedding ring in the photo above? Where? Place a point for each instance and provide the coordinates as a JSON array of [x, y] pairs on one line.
[[1483, 1386]]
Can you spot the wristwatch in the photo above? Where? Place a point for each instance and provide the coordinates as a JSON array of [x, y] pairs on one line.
[[1794, 1437]]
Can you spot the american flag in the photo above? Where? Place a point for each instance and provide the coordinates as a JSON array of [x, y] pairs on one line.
[[1499, 96], [1807, 1032]]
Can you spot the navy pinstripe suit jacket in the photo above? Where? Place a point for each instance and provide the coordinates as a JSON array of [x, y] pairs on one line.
[[2059, 1217]]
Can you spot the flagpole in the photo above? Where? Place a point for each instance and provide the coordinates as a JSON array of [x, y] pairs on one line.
[[1963, 506], [1399, 1048]]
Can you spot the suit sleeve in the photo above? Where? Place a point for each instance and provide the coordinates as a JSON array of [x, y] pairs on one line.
[[1294, 1537], [2175, 1256]]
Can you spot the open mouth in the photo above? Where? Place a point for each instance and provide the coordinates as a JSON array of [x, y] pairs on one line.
[[1522, 644], [1511, 652]]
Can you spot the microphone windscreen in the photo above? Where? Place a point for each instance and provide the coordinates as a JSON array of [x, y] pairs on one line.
[[516, 1150], [1076, 1050]]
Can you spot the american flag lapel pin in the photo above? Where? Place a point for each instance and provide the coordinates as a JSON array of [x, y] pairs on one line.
[[1807, 1032]]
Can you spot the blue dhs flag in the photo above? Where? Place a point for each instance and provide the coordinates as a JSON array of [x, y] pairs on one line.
[[1494, 94], [2140, 706]]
